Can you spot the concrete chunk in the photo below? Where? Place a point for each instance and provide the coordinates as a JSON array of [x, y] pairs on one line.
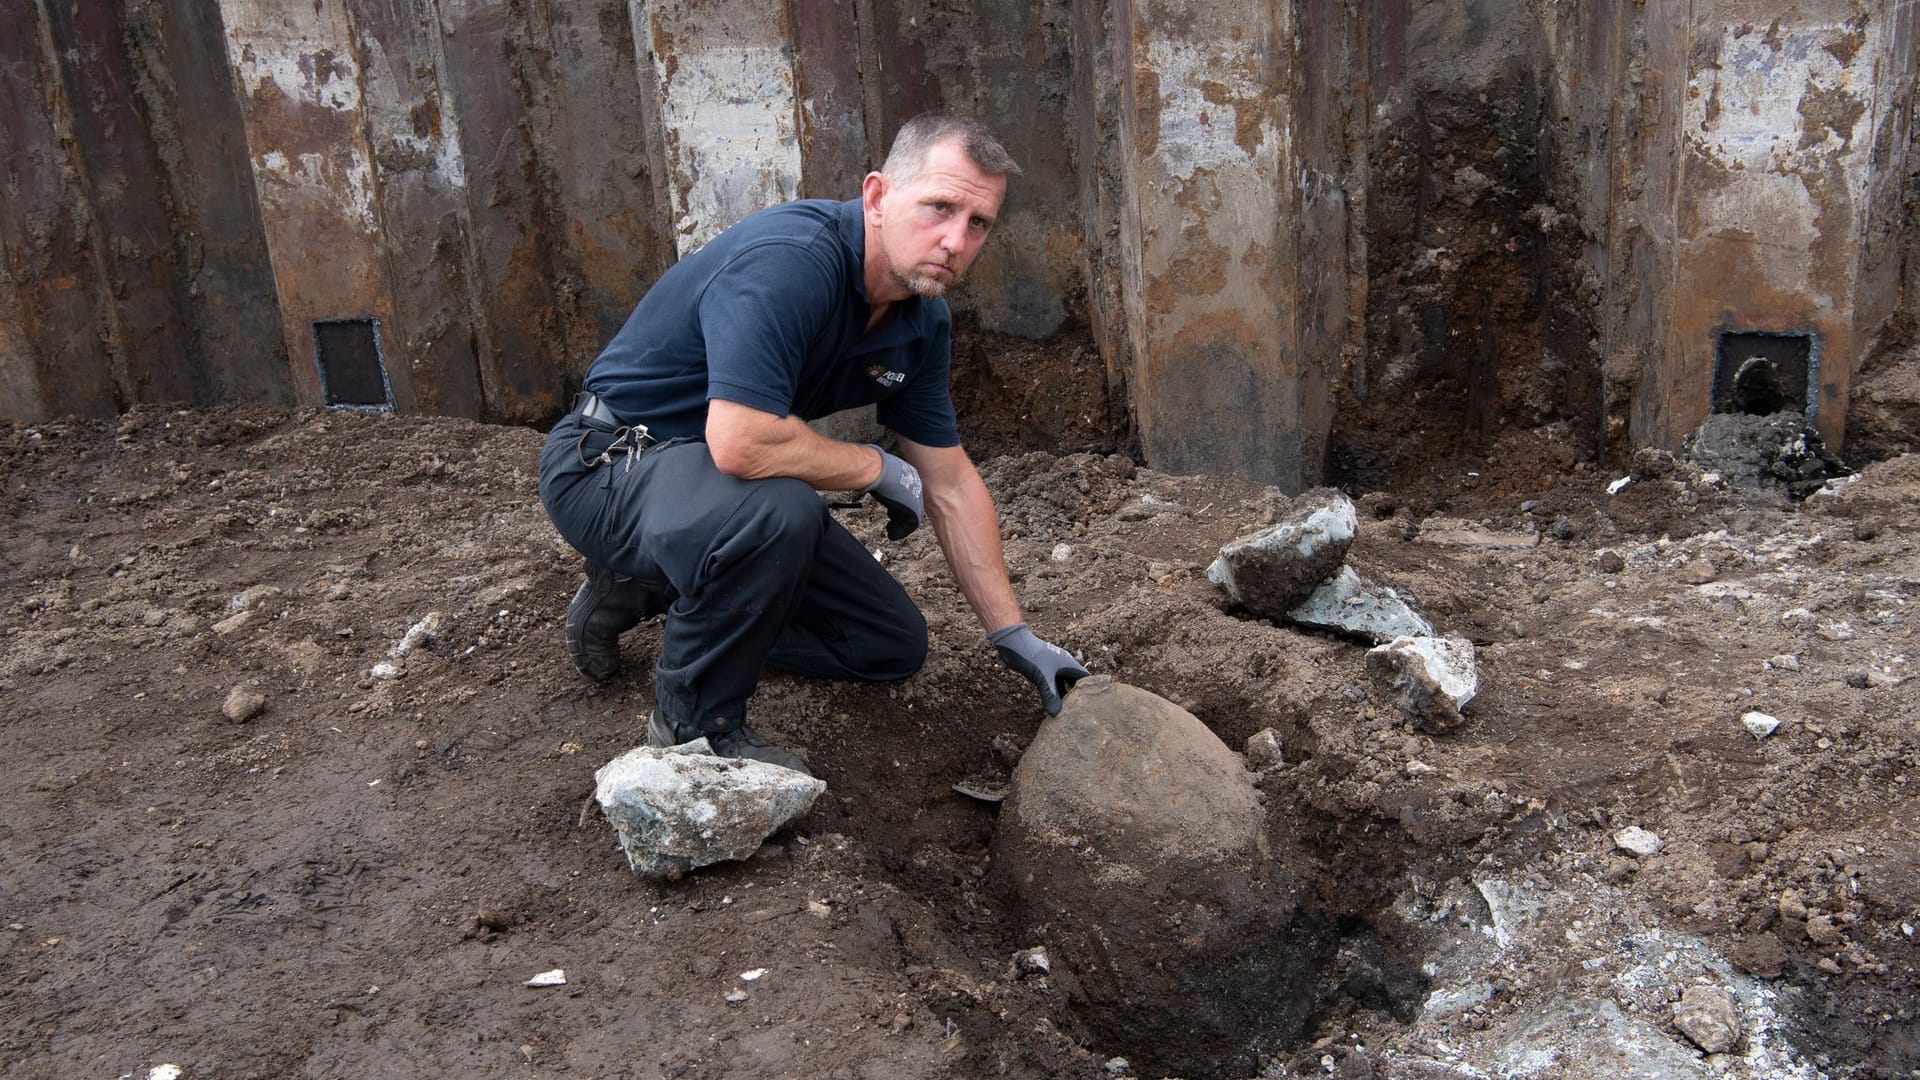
[[1428, 678], [1348, 604], [682, 808], [1272, 571]]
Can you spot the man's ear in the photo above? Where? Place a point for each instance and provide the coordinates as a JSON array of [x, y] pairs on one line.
[[872, 190]]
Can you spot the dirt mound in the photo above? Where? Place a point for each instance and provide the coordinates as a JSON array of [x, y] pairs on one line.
[[361, 878]]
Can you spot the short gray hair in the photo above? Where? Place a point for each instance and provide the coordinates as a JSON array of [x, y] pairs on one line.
[[924, 132]]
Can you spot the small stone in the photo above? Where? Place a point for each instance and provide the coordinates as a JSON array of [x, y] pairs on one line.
[[243, 704], [385, 669], [1759, 724], [1821, 931], [1784, 662], [819, 909], [735, 997], [1561, 529], [1708, 1016], [424, 632], [1530, 506], [1062, 552], [1699, 572], [1791, 906], [1264, 752], [233, 622], [556, 977], [1637, 841], [1866, 530], [165, 1072], [1032, 961], [1857, 680], [1611, 562], [1118, 1066], [1619, 869]]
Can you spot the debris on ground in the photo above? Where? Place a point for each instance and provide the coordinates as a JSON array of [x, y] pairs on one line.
[[682, 808]]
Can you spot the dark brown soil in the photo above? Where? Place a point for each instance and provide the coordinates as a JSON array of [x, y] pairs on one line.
[[359, 880]]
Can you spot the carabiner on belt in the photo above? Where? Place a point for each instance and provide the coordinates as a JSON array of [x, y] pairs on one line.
[[633, 439]]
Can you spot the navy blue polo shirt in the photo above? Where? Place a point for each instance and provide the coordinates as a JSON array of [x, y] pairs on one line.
[[772, 314]]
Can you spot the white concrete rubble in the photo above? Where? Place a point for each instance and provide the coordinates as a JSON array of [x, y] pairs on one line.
[[1272, 571], [1635, 840], [1348, 604], [682, 808], [1428, 678]]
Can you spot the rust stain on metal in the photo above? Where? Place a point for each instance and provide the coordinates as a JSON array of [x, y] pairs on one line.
[[1200, 270], [1828, 110]]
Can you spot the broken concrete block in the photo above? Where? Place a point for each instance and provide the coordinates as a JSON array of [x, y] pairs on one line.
[[1428, 678], [1273, 570], [1127, 805], [682, 808], [1347, 604]]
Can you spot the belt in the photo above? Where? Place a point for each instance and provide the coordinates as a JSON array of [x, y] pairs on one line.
[[589, 405], [631, 438]]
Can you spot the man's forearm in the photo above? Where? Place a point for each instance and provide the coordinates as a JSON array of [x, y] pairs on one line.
[[753, 445], [969, 531]]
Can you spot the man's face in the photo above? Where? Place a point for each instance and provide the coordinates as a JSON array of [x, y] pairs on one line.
[[930, 228]]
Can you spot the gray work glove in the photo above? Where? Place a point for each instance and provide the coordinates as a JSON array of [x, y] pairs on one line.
[[898, 489], [1045, 665]]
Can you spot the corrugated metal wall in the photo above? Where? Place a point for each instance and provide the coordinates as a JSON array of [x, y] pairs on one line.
[[474, 192]]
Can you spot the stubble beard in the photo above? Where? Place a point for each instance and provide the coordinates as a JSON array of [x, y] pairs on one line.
[[921, 285]]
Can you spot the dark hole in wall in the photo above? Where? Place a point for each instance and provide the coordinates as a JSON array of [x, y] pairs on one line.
[[351, 372], [1760, 374]]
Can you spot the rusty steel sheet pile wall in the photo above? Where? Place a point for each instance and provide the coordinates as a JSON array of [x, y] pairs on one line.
[[134, 268], [1211, 215], [1311, 239], [1781, 227]]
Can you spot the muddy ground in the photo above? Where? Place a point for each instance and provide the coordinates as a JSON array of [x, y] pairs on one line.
[[358, 880]]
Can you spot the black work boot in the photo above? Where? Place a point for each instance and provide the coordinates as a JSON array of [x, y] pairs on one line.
[[736, 740], [607, 605]]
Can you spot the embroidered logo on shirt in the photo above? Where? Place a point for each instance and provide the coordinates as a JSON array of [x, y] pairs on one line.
[[881, 374]]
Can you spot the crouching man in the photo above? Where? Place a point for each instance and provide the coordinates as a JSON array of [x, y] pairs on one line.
[[687, 474]]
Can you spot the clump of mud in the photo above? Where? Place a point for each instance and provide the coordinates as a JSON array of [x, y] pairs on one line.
[[1780, 452]]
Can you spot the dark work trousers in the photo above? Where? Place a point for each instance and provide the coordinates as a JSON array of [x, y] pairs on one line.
[[760, 572]]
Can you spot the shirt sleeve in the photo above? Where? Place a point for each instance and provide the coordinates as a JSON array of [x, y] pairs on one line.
[[758, 317]]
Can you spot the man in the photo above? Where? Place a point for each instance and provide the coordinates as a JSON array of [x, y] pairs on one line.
[[687, 474]]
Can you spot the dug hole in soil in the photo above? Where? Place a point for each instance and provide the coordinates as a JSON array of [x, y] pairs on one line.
[[358, 876]]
